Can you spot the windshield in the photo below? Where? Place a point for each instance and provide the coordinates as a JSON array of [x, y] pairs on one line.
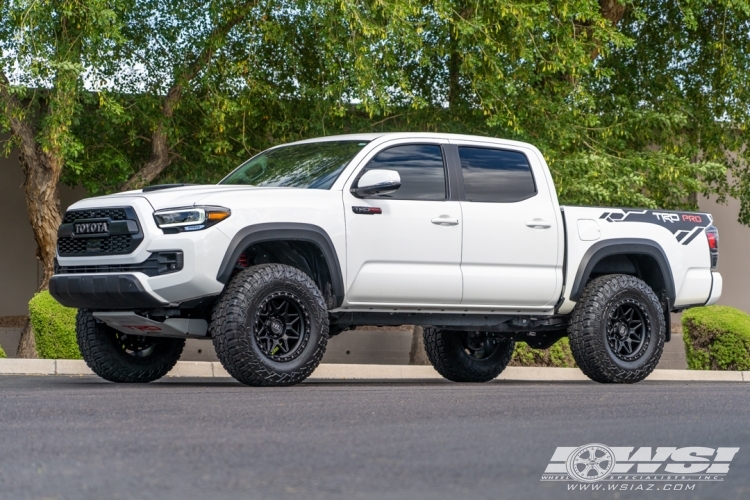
[[315, 165]]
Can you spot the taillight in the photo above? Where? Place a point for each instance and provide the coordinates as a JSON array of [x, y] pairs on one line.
[[712, 235]]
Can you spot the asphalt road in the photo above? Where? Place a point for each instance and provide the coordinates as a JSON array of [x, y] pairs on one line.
[[81, 438]]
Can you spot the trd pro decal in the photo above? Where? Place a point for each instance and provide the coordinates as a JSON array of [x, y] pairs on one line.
[[684, 225]]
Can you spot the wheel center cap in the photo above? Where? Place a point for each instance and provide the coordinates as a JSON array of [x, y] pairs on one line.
[[623, 330], [277, 327]]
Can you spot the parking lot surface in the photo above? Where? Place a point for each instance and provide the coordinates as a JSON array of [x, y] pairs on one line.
[[81, 437]]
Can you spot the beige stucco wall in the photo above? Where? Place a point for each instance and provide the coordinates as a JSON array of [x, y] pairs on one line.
[[19, 269], [734, 244]]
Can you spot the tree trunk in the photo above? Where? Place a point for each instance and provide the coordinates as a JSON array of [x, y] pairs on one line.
[[27, 343], [417, 354], [454, 73], [43, 205], [455, 58], [613, 11], [41, 176], [159, 160]]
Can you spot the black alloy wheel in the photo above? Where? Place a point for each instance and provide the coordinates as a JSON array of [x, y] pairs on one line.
[[465, 356], [137, 346], [628, 329], [478, 345], [281, 327], [120, 357], [270, 326], [617, 329]]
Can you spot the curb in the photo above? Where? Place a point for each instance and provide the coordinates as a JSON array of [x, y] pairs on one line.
[[204, 369]]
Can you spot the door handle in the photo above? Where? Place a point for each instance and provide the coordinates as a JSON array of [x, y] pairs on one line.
[[539, 224], [445, 220]]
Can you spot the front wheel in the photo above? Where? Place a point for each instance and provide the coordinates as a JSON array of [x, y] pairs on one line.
[[120, 357], [467, 356], [270, 327], [617, 330]]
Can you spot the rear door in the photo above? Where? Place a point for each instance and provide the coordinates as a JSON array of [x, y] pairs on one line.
[[407, 250], [512, 241]]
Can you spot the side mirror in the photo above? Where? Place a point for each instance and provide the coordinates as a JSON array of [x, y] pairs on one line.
[[377, 182]]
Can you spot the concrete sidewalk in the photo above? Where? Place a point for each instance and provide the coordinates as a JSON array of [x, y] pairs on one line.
[[364, 372]]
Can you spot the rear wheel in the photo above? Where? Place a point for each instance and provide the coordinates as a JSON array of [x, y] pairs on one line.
[[617, 330], [467, 356], [120, 357]]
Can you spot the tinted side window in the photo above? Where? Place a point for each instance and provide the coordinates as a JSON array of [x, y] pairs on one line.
[[496, 176], [420, 167]]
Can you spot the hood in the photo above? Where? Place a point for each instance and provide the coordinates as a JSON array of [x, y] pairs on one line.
[[178, 197]]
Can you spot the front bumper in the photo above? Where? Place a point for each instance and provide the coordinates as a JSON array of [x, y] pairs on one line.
[[137, 280], [109, 291]]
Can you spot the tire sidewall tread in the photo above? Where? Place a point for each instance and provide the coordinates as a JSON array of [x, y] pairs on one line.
[[445, 352], [102, 354], [235, 345], [587, 330]]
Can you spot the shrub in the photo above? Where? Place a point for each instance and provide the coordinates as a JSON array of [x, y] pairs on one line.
[[558, 355], [716, 338], [2, 353], [54, 328]]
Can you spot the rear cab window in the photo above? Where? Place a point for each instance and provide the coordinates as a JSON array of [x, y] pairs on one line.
[[496, 175]]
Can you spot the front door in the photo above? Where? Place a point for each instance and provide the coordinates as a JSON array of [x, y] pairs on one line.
[[410, 252]]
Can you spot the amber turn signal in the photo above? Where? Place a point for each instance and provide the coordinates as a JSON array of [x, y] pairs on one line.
[[216, 216]]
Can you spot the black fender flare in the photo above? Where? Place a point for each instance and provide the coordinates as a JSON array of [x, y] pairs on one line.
[[274, 231], [622, 246]]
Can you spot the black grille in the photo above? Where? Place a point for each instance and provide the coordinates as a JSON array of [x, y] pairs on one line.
[[97, 213], [157, 264], [68, 245], [118, 244]]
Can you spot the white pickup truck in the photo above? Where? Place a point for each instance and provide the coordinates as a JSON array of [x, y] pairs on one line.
[[460, 234]]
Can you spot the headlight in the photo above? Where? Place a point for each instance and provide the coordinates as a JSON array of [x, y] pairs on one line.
[[190, 219]]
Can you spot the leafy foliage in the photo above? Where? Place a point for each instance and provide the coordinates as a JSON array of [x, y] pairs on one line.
[[46, 48], [638, 109], [54, 328], [717, 338], [557, 356]]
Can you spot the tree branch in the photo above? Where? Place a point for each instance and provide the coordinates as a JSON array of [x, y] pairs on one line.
[[160, 147], [613, 11], [19, 127]]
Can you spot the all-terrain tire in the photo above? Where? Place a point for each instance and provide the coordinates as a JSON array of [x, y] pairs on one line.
[[234, 319], [448, 354], [106, 352], [592, 335]]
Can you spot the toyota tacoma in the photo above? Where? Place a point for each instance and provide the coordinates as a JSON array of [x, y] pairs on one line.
[[460, 234]]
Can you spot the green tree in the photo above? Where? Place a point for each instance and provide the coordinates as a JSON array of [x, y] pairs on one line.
[[609, 91], [632, 102], [688, 62], [91, 89], [211, 90], [45, 48], [614, 110]]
